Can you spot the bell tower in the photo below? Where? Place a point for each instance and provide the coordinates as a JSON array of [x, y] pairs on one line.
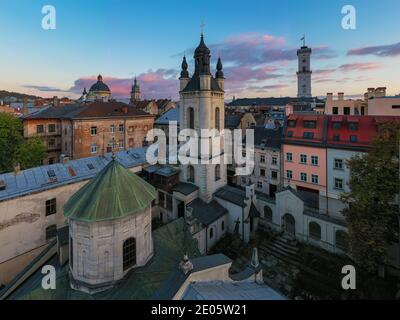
[[304, 72], [135, 92], [202, 107]]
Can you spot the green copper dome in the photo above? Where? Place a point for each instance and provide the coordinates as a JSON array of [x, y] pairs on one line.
[[114, 193]]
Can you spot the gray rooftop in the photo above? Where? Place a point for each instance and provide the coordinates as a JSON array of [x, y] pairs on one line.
[[176, 277], [233, 195], [207, 213], [170, 115], [39, 178], [185, 188], [220, 290]]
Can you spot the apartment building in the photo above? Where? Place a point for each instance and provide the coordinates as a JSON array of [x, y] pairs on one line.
[[342, 106], [90, 129], [267, 170]]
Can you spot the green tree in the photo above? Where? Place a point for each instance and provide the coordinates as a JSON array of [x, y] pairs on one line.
[[371, 216], [30, 153], [10, 138]]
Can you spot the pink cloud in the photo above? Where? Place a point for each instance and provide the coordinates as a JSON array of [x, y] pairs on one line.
[[390, 50], [360, 66], [161, 83]]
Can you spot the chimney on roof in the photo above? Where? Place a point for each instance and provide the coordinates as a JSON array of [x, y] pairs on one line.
[[125, 109], [329, 96], [17, 169], [25, 106], [341, 96], [185, 265], [55, 101]]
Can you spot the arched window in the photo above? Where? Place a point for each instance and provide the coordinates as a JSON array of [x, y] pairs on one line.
[[342, 240], [223, 226], [211, 233], [268, 213], [190, 116], [217, 119], [129, 253], [190, 174], [217, 172], [314, 230]]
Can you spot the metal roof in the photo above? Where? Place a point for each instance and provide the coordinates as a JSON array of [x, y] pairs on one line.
[[170, 115], [37, 179], [221, 290], [233, 195]]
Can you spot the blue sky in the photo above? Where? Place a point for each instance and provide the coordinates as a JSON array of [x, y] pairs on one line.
[[256, 41]]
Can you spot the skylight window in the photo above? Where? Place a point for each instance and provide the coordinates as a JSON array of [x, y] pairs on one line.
[[2, 185], [90, 166], [51, 173]]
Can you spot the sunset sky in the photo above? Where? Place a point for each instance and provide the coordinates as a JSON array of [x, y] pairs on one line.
[[257, 41]]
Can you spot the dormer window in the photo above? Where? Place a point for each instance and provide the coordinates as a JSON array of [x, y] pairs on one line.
[[51, 173]]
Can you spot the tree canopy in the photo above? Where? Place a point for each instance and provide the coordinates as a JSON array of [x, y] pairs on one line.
[[372, 216], [13, 148]]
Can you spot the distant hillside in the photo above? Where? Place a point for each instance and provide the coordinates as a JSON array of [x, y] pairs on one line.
[[19, 96], [270, 101]]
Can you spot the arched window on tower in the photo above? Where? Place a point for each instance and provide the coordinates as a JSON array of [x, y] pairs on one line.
[[190, 116], [129, 253], [217, 172], [190, 174], [217, 119]]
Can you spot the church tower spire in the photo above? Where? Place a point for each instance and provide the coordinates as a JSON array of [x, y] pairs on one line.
[[135, 92]]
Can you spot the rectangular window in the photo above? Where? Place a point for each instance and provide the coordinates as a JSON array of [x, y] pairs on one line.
[[51, 207], [336, 137], [289, 174], [289, 134], [303, 177], [112, 128], [259, 185], [337, 125], [51, 232], [262, 172], [314, 179], [314, 160], [335, 110], [274, 161], [121, 128], [274, 175], [121, 144], [339, 164], [244, 180], [289, 157], [308, 135], [310, 124], [353, 139], [353, 126], [303, 158], [93, 148], [346, 110], [292, 123], [244, 154], [262, 159], [338, 184], [39, 128], [51, 143], [52, 128], [93, 131]]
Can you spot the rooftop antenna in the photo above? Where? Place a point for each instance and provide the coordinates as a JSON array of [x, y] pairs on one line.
[[202, 25]]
